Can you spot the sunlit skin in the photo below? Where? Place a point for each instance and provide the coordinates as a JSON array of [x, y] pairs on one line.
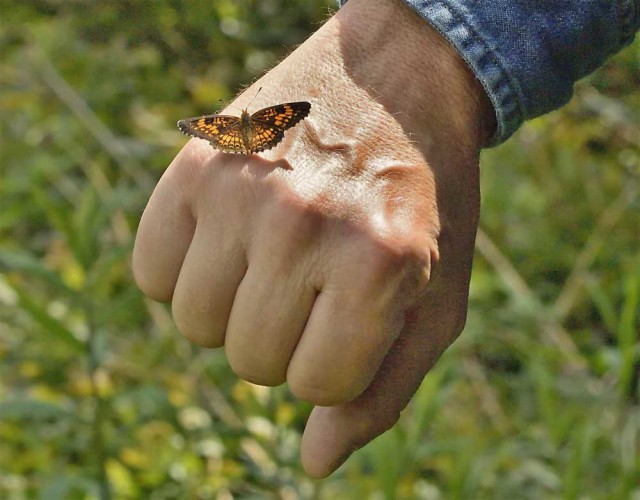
[[250, 133], [339, 260]]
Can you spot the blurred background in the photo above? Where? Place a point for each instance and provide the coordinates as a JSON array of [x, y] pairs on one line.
[[101, 397]]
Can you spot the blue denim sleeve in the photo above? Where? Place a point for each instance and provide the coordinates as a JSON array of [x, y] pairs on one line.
[[528, 53]]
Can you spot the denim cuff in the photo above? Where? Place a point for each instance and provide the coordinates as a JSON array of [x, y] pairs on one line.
[[502, 88], [527, 54]]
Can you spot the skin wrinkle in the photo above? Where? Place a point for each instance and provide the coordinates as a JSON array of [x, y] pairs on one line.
[[358, 166], [424, 142], [299, 225], [342, 194], [363, 168], [363, 66], [363, 251]]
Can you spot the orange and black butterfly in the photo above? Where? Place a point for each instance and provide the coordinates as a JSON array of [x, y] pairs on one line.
[[246, 134]]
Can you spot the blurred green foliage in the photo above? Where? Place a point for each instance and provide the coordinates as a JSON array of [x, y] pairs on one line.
[[100, 396]]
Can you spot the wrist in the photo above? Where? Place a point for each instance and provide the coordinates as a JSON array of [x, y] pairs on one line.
[[415, 72]]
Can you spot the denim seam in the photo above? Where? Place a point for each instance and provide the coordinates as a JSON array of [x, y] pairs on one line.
[[507, 80], [504, 90]]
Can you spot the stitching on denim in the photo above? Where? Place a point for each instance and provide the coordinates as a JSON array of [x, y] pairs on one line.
[[513, 115], [503, 88]]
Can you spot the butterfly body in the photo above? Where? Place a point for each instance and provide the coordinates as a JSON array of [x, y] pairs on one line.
[[249, 133], [246, 129]]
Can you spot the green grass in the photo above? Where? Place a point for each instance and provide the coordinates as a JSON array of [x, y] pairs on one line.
[[99, 395]]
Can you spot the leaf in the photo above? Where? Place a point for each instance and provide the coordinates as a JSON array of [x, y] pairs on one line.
[[52, 327], [32, 409], [67, 486], [33, 267]]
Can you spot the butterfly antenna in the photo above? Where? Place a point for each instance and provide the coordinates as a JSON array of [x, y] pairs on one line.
[[236, 107], [254, 98]]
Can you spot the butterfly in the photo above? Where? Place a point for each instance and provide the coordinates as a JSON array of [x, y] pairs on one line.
[[247, 134]]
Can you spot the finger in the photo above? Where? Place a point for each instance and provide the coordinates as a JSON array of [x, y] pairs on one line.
[[341, 349], [267, 319], [165, 230], [354, 321], [204, 293], [276, 296], [332, 434]]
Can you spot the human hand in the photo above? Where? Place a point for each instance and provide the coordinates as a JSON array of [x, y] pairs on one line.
[[338, 261]]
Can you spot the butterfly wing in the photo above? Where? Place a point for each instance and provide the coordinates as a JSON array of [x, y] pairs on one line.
[[267, 127], [222, 131], [269, 124]]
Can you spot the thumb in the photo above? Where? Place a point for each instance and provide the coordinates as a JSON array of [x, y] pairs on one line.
[[334, 433]]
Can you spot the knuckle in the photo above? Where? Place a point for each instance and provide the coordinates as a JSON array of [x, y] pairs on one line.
[[391, 254], [296, 216]]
